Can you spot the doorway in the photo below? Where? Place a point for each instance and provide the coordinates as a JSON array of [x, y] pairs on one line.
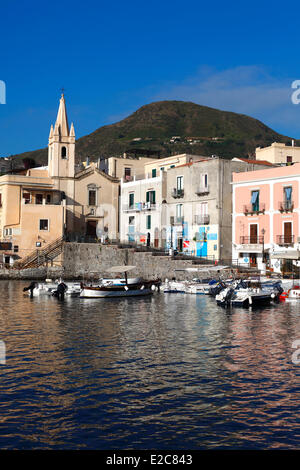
[[253, 233], [91, 228], [253, 260], [287, 232]]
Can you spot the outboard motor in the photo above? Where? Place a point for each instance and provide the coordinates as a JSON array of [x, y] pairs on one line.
[[217, 289], [60, 291], [31, 286]]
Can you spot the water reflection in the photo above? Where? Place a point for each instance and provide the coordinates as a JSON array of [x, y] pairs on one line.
[[170, 371]]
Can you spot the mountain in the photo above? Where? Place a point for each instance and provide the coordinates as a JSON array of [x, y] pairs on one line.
[[151, 130]]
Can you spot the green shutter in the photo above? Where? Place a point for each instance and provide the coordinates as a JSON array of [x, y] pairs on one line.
[[147, 196], [153, 197], [148, 226], [153, 172], [131, 199]]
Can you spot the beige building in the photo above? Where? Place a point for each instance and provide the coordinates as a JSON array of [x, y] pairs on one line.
[[278, 153], [154, 167], [47, 203], [32, 214], [125, 167]]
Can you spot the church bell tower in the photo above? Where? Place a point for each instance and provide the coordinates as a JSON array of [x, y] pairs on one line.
[[61, 146]]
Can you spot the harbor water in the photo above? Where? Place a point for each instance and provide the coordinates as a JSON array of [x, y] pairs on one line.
[[169, 371]]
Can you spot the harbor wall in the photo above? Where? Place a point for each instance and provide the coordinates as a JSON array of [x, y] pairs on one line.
[[92, 261], [85, 260]]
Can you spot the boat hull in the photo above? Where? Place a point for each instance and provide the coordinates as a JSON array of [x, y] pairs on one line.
[[89, 293]]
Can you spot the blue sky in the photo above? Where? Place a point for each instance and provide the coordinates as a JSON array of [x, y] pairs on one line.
[[113, 57]]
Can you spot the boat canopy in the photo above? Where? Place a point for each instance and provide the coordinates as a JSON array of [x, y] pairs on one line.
[[120, 269], [202, 269]]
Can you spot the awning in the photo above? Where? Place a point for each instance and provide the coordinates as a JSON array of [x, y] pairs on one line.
[[288, 193], [295, 254], [254, 197]]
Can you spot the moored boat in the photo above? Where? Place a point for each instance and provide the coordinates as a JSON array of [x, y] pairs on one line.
[[116, 287]]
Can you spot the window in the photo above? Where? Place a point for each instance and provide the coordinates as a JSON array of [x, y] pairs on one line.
[[26, 197], [179, 212], [153, 172], [0, 200], [172, 166], [288, 197], [150, 197], [255, 200], [48, 199], [63, 152], [131, 220], [39, 199], [92, 197], [204, 181], [179, 183], [16, 248], [148, 222], [131, 200], [127, 173], [44, 224], [289, 159]]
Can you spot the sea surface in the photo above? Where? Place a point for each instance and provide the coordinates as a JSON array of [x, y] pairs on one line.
[[170, 371]]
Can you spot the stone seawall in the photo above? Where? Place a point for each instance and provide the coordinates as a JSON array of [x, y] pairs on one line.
[[87, 260], [92, 261]]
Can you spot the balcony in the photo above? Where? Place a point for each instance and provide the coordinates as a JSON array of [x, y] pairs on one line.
[[139, 206], [285, 240], [250, 209], [94, 212], [148, 206], [201, 219], [201, 190], [286, 206], [176, 220], [177, 193], [252, 240]]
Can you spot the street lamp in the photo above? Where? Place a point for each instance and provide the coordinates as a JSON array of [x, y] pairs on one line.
[[263, 244]]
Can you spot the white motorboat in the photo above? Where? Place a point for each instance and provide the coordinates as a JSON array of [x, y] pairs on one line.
[[245, 297], [49, 287], [174, 287], [198, 287]]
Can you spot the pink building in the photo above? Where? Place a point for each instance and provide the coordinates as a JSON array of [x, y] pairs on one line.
[[266, 218]]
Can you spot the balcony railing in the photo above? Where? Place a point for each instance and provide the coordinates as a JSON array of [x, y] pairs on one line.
[[252, 240], [139, 206], [286, 206], [177, 193], [201, 219], [202, 190], [285, 240], [176, 220], [254, 208]]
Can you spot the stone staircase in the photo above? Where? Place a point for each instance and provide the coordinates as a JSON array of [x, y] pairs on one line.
[[43, 256]]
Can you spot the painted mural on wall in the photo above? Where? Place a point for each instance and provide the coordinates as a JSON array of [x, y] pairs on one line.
[[200, 241]]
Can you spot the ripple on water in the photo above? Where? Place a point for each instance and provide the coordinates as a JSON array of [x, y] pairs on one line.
[[165, 372]]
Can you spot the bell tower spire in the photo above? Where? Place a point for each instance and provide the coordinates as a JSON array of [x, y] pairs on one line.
[[61, 146], [62, 118]]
